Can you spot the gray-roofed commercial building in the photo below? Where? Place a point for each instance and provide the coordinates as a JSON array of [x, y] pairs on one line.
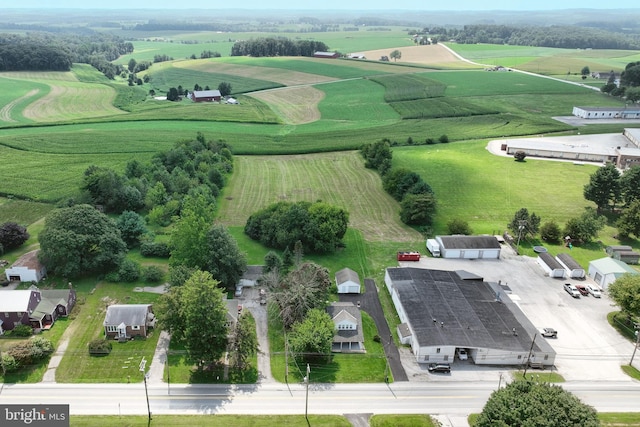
[[469, 247], [449, 310]]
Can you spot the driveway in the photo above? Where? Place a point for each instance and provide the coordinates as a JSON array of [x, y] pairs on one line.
[[587, 347], [250, 300], [370, 303]]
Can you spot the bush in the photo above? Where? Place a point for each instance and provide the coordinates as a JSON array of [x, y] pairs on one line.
[[152, 274], [22, 331], [100, 347], [550, 232], [31, 351], [519, 156], [129, 271], [9, 363], [155, 249], [458, 226]]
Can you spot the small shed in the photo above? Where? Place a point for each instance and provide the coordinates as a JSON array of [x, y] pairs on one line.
[[206, 96], [347, 281], [630, 257], [469, 247], [611, 250], [606, 270], [551, 266], [574, 270], [27, 268]]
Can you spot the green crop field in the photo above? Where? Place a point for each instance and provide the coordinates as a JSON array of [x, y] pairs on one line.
[[440, 107], [407, 87]]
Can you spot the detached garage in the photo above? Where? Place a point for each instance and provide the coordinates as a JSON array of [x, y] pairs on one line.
[[27, 268], [606, 270], [469, 247], [347, 281], [574, 269]]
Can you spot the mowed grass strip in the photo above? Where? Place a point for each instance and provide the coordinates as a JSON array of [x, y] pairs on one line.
[[296, 105], [216, 420], [336, 178], [15, 95]]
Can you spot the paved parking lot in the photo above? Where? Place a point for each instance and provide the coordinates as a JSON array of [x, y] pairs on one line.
[[587, 347]]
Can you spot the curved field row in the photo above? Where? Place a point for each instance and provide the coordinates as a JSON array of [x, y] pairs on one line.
[[5, 112], [73, 101], [278, 75], [296, 105], [337, 178], [65, 76], [435, 55]]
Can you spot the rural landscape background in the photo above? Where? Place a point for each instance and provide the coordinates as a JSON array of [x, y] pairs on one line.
[[299, 123]]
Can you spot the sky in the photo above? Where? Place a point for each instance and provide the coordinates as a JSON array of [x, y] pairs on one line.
[[461, 5]]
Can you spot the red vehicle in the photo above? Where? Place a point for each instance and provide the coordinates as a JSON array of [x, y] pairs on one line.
[[583, 290], [408, 256]]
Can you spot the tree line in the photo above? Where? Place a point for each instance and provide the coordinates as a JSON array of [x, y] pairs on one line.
[[57, 52], [559, 36], [277, 46], [629, 86]]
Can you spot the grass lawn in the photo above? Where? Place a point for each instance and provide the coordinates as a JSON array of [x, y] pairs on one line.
[[412, 420], [342, 368], [121, 366], [209, 421]]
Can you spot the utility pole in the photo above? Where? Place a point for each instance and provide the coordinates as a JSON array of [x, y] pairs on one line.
[[635, 347], [143, 363], [521, 225], [286, 359], [526, 366], [166, 355], [306, 403]]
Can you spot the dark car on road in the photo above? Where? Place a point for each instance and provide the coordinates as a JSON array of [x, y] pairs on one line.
[[583, 290], [439, 367]]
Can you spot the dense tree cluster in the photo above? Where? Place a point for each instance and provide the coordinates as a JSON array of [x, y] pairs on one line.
[[624, 291], [56, 52], [529, 404], [80, 240], [12, 235], [603, 188], [312, 337], [319, 226], [277, 46], [560, 36], [524, 223], [377, 155]]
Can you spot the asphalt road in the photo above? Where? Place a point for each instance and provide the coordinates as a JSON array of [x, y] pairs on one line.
[[459, 398]]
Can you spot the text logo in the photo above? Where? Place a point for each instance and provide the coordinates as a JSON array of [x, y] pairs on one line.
[[34, 415]]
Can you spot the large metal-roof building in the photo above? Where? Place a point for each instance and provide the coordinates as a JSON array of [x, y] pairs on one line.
[[442, 311]]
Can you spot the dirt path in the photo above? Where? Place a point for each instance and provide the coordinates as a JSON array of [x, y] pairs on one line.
[[50, 375], [5, 112]]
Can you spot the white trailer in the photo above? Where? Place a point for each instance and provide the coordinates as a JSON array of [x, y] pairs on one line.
[[434, 247]]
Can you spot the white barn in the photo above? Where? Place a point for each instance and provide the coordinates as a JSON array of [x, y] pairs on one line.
[[606, 270], [347, 281], [607, 112], [442, 311], [27, 268], [551, 266], [469, 247]]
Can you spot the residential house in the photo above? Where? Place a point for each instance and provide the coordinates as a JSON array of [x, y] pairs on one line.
[[34, 307], [347, 320], [27, 268], [347, 281], [125, 321]]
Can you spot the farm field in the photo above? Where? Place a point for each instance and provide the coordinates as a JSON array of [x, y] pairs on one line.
[[435, 56]]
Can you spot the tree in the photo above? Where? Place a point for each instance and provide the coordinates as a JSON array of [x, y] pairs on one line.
[[631, 75], [632, 94], [224, 88], [272, 262], [80, 240], [443, 139], [189, 235], [550, 232], [585, 227], [395, 55], [223, 257], [304, 288], [603, 187], [529, 404], [524, 224], [131, 66], [110, 190], [585, 71], [377, 156], [459, 226], [629, 221], [326, 227], [132, 227], [12, 235], [625, 291], [313, 336], [195, 315], [519, 156], [245, 341], [418, 209], [173, 95], [630, 185]]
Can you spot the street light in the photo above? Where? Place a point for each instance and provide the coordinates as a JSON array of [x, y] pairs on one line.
[[143, 363]]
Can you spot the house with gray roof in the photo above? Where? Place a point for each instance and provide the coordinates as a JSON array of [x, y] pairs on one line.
[[348, 336], [125, 321], [443, 311], [34, 307], [469, 247]]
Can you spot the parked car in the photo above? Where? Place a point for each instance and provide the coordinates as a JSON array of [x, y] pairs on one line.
[[594, 291], [572, 290], [583, 290], [549, 332], [238, 291], [439, 367], [462, 354]]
